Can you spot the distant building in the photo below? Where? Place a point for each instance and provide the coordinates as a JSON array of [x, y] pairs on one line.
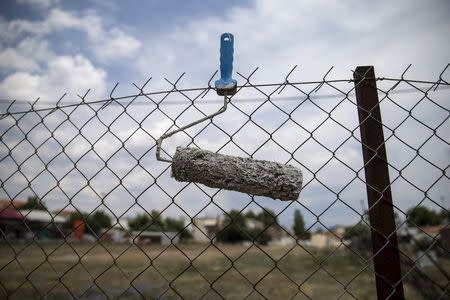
[[323, 240], [432, 231], [206, 229], [28, 224], [123, 224], [279, 236], [118, 233], [252, 224], [42, 224], [41, 216], [414, 234], [154, 238], [114, 235], [11, 204], [11, 223]]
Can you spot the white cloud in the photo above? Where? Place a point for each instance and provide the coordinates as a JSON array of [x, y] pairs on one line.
[[33, 69], [277, 35], [115, 45], [274, 35], [72, 74], [28, 55], [106, 43], [57, 20]]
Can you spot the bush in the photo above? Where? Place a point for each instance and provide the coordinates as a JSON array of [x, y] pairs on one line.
[[259, 237], [171, 224], [234, 229], [422, 216]]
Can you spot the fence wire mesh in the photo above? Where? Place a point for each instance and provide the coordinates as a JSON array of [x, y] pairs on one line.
[[104, 218]]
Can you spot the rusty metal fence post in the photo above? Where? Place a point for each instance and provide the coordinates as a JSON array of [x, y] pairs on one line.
[[386, 256]]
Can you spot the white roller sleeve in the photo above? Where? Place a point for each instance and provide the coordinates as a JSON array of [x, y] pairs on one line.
[[247, 175]]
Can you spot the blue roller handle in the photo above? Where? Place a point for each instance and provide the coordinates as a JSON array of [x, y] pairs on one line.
[[226, 83]]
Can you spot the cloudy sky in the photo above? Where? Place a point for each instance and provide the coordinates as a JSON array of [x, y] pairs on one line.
[[49, 47]]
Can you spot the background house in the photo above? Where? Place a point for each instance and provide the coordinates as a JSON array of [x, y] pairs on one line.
[[28, 224], [206, 228], [118, 233], [42, 224], [11, 204], [328, 239], [11, 224], [279, 236]]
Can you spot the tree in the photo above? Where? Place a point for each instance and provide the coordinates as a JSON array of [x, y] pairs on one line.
[[234, 228], [171, 224], [267, 217], [299, 225], [95, 222], [34, 203], [156, 220], [259, 236], [147, 222], [357, 230], [98, 220], [422, 216], [250, 215], [139, 222]]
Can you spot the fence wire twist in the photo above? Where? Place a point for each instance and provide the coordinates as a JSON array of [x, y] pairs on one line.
[[86, 156]]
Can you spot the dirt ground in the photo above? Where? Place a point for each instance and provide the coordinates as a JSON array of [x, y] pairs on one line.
[[55, 270]]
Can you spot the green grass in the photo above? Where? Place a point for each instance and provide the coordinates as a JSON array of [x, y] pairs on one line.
[[89, 270]]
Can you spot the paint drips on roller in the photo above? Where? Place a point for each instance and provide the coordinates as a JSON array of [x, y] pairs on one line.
[[247, 175]]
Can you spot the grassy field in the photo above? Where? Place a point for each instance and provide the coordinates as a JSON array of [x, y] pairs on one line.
[[89, 271]]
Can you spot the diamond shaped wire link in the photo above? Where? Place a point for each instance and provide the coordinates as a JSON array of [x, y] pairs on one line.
[[50, 152]]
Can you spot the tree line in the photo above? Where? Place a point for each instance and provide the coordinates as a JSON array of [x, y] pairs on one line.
[[234, 228], [418, 216]]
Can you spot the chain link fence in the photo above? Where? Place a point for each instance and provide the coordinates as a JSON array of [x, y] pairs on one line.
[[88, 212]]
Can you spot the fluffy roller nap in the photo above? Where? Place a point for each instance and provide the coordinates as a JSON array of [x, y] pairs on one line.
[[247, 175]]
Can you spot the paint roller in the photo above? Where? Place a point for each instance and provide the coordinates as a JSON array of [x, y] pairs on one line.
[[247, 175]]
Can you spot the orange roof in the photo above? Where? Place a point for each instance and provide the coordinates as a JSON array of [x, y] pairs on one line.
[[433, 229], [5, 203]]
